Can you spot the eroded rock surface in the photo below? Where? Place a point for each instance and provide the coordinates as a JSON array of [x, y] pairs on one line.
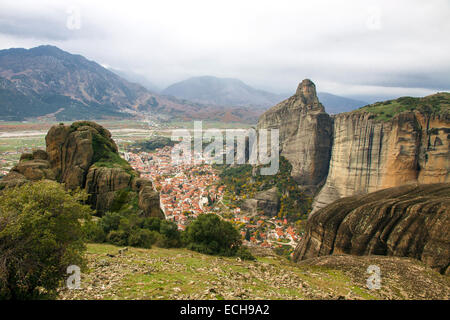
[[305, 132], [267, 202], [408, 221], [370, 155]]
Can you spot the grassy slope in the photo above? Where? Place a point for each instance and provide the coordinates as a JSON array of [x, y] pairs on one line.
[[439, 103], [181, 274]]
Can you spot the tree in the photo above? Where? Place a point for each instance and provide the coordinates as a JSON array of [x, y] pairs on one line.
[[211, 235], [247, 235], [40, 236]]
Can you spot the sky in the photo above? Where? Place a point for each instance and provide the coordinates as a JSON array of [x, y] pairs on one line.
[[361, 49]]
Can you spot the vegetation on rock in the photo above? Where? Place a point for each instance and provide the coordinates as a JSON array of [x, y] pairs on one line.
[[244, 183], [386, 110]]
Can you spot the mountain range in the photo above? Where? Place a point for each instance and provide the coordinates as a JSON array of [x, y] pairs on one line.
[[46, 82], [211, 90]]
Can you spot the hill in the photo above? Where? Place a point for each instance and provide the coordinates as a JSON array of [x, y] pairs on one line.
[[221, 92], [386, 110], [336, 104], [46, 81], [233, 92], [181, 274]]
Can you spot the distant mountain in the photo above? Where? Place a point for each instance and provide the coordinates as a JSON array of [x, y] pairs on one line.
[[48, 82], [221, 92], [137, 78], [336, 104], [233, 92]]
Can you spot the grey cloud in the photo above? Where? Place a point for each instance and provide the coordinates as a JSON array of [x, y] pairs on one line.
[[268, 44]]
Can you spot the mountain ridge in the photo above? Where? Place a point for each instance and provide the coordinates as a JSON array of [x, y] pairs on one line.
[[46, 80], [234, 92]]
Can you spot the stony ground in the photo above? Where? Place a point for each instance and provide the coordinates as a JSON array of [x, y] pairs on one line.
[[181, 274]]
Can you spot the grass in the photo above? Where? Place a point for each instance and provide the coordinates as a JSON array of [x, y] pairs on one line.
[[385, 111], [105, 155], [159, 273]]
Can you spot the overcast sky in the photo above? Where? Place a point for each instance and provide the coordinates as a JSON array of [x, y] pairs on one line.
[[352, 48]]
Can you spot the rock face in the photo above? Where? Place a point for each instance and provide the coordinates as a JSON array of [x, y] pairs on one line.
[[407, 221], [305, 133], [266, 201], [360, 152], [370, 155], [83, 155], [31, 167]]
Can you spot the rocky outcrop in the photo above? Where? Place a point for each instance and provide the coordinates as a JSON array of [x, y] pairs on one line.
[[149, 202], [266, 202], [31, 167], [305, 132], [379, 146], [408, 221], [83, 155], [369, 154]]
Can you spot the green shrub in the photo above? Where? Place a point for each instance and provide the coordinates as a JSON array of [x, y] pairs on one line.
[[110, 221], [94, 232], [143, 238], [151, 223], [136, 230], [171, 236], [211, 235], [117, 237], [40, 236], [245, 254]]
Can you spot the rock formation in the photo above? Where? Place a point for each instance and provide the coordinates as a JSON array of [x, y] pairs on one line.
[[31, 167], [266, 201], [305, 132], [407, 221], [83, 155], [369, 154], [379, 146]]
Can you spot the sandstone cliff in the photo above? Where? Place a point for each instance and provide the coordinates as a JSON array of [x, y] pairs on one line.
[[305, 132], [408, 221], [83, 155], [383, 145], [370, 154]]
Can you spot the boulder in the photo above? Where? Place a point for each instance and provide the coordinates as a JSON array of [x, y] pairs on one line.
[[149, 202], [267, 201], [32, 166], [407, 221]]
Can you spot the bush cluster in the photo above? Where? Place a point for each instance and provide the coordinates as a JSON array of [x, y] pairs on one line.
[[133, 230], [43, 230], [40, 236]]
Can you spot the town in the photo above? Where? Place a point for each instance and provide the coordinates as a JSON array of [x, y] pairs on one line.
[[187, 190]]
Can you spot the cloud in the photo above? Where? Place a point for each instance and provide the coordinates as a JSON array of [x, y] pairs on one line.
[[349, 46]]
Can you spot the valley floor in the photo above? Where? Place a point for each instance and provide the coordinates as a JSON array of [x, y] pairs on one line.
[[182, 274]]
